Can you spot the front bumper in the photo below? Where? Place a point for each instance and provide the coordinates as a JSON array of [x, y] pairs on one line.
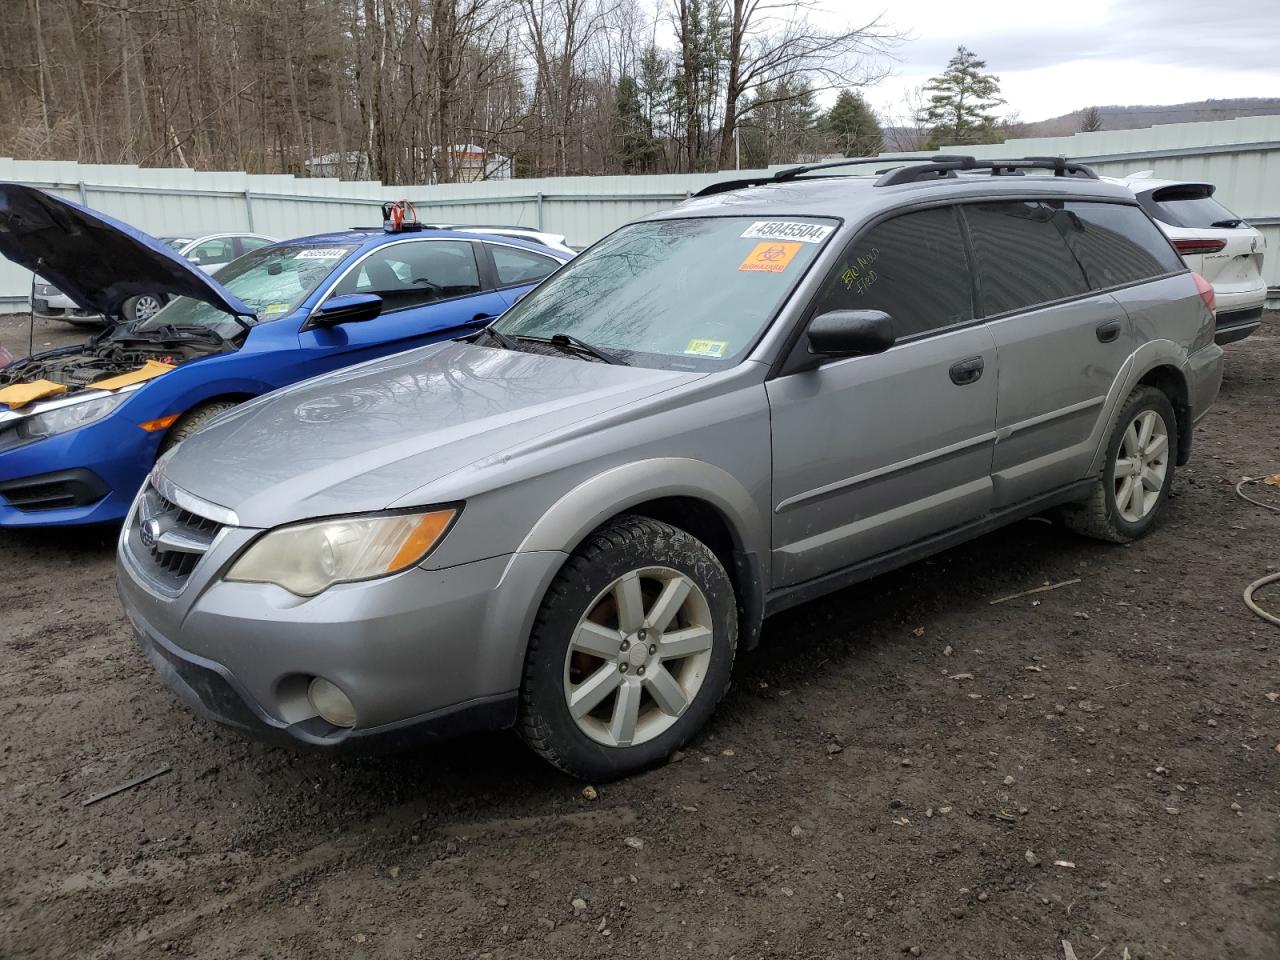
[[422, 654], [62, 307]]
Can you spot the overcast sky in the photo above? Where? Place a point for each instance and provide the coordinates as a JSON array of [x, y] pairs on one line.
[[1053, 58]]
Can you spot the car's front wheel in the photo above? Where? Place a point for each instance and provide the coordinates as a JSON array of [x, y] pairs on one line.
[[631, 651], [1137, 475]]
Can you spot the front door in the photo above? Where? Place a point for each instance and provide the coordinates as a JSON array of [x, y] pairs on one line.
[[874, 453], [428, 288]]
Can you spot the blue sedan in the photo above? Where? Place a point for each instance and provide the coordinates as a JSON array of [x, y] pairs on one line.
[[80, 427]]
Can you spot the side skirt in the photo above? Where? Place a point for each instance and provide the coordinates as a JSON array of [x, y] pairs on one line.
[[784, 598]]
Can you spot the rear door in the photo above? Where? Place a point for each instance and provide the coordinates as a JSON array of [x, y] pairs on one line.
[[874, 453], [516, 270], [213, 253], [430, 288], [1046, 274]]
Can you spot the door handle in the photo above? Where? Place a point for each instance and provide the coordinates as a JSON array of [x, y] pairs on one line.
[[1109, 331], [482, 318], [967, 371]]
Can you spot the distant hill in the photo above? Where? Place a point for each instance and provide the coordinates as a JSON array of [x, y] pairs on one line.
[[1130, 118]]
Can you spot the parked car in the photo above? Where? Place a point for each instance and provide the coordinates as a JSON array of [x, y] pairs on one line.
[[81, 426], [1216, 243], [211, 253], [570, 520], [556, 241]]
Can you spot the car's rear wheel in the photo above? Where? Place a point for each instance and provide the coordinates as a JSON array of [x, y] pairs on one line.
[[1137, 475], [631, 651], [194, 420], [142, 307]]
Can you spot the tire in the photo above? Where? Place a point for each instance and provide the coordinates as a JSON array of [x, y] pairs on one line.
[[687, 671], [1107, 514], [193, 421], [143, 306]]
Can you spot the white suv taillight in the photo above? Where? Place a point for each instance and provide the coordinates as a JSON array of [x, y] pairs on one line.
[[1199, 246], [1205, 289]]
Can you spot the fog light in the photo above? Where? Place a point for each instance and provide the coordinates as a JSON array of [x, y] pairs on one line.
[[331, 703]]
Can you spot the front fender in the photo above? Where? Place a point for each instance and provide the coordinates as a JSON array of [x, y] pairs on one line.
[[590, 503]]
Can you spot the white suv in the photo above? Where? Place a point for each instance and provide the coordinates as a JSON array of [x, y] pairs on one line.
[[1215, 243]]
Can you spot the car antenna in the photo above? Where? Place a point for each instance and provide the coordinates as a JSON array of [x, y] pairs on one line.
[[31, 324]]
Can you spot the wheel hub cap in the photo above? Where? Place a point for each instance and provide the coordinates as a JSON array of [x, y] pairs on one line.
[[1142, 463], [638, 656]]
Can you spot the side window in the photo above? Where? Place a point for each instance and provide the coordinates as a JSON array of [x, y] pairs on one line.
[[415, 273], [252, 243], [1023, 259], [515, 266], [218, 250], [912, 267], [1115, 243]]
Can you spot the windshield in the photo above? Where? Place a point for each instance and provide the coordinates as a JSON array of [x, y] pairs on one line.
[[272, 281], [679, 294]]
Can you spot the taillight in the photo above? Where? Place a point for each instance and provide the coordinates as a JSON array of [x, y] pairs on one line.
[[1205, 289], [1199, 246]]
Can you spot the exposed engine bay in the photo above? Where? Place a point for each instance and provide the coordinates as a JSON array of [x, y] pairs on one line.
[[116, 351]]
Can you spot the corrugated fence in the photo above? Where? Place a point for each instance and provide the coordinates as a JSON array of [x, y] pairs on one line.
[[1241, 156]]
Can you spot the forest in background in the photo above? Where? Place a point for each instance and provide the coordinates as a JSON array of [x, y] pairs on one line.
[[388, 88]]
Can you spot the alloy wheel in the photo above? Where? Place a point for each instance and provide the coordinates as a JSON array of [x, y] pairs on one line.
[[146, 306], [638, 656], [1142, 464]]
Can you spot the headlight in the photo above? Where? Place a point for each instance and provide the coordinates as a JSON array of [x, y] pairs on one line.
[[73, 415], [309, 558]]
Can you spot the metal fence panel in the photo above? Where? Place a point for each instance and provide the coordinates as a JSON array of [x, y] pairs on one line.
[[1242, 157]]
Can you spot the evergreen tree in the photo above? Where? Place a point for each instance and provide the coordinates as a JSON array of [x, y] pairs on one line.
[[853, 127], [961, 101], [634, 145]]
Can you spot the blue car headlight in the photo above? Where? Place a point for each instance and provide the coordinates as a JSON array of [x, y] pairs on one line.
[[69, 417]]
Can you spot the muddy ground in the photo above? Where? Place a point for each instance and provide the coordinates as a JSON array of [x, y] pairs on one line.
[[898, 770]]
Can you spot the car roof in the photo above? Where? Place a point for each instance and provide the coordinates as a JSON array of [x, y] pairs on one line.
[[858, 197], [368, 238]]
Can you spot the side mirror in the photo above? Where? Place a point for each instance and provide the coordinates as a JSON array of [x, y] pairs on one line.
[[851, 333], [348, 308]]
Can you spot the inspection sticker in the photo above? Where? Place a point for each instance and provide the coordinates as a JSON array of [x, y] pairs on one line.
[[787, 230], [324, 253], [707, 348], [769, 257]]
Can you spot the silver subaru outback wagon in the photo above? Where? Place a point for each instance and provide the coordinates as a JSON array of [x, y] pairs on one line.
[[569, 521]]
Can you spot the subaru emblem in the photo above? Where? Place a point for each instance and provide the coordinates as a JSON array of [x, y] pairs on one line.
[[149, 532]]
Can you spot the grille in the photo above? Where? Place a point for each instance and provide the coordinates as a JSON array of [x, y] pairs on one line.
[[169, 541]]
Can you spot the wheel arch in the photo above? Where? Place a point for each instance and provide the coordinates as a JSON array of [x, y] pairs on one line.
[[1157, 363], [695, 496], [1170, 381]]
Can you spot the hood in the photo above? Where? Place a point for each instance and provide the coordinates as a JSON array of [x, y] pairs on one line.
[[97, 260], [366, 437]]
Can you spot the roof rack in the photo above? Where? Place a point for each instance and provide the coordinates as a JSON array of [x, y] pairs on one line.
[[945, 166], [896, 170]]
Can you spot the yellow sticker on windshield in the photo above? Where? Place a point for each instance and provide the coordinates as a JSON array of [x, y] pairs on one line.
[[274, 308], [770, 257], [707, 348]]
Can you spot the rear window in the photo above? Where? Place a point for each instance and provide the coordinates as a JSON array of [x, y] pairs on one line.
[[1189, 206], [1023, 259], [1115, 243]]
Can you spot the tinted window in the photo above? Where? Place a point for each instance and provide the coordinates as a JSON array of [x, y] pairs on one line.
[[1115, 243], [1023, 259], [520, 266], [912, 267], [1189, 206], [412, 274]]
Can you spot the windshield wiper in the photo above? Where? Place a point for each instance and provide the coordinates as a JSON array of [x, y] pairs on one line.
[[571, 344], [503, 340]]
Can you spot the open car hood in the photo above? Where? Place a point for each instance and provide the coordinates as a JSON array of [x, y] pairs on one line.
[[95, 259]]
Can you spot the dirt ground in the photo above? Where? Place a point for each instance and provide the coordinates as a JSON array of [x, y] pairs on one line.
[[900, 769]]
